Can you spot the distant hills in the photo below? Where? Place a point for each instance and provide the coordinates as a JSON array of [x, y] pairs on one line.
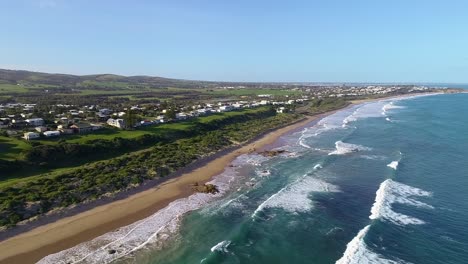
[[36, 79]]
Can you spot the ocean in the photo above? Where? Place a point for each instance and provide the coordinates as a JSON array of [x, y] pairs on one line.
[[380, 182]]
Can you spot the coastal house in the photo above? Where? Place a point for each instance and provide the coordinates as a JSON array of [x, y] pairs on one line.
[[281, 110], [35, 121], [82, 128], [64, 129], [41, 129], [18, 123], [51, 133], [225, 108], [31, 135], [181, 116], [160, 119], [119, 123]]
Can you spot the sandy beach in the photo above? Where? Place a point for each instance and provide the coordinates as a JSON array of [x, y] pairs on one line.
[[31, 246]]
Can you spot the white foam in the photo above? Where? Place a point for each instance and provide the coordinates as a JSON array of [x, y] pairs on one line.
[[294, 197], [391, 192], [393, 164], [390, 106], [318, 166], [263, 173], [221, 246], [358, 252], [346, 148]]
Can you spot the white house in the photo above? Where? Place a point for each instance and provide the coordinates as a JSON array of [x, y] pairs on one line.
[[52, 133], [225, 108], [41, 128], [119, 123], [35, 121], [31, 135], [181, 116], [281, 110]]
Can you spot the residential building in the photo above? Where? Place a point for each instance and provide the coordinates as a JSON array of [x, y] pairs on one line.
[[35, 121], [52, 133], [82, 128], [41, 129], [31, 135], [119, 123]]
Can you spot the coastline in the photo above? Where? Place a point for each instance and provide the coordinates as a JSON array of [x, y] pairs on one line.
[[66, 232]]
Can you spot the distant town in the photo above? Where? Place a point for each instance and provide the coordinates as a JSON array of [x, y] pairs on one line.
[[30, 121]]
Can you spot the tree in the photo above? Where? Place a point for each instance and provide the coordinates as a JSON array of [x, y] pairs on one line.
[[130, 119]]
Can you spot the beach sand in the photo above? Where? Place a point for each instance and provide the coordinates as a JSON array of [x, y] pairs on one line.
[[31, 246]]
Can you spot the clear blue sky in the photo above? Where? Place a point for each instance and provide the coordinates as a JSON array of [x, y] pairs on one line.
[[241, 40]]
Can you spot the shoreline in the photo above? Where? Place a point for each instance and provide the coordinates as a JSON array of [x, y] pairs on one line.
[[37, 240], [32, 242]]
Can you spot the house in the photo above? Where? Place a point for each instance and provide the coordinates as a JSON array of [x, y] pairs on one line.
[[146, 122], [82, 128], [102, 117], [52, 133], [160, 119], [35, 121], [41, 129], [17, 123], [25, 115], [225, 108], [181, 116], [105, 111], [281, 110], [96, 126], [31, 135], [64, 129], [119, 123]]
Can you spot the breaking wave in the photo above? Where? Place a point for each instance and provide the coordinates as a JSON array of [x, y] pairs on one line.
[[390, 106], [393, 164], [358, 252], [294, 197], [346, 148], [221, 246], [318, 166], [391, 192]]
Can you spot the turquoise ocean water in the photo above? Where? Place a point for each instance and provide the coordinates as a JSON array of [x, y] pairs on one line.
[[383, 182]]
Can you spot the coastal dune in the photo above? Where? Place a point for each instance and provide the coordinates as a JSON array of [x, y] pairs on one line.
[[31, 246]]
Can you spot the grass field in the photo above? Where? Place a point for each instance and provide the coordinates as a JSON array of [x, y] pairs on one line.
[[10, 148], [11, 88]]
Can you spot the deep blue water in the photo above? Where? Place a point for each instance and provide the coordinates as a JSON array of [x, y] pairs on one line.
[[335, 196]]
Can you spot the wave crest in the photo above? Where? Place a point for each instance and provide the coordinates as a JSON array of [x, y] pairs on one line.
[[346, 148], [391, 192]]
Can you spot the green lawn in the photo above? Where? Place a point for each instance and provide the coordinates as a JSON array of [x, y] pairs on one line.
[[10, 148], [12, 88]]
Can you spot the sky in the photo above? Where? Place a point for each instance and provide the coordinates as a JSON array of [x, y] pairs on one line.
[[242, 40]]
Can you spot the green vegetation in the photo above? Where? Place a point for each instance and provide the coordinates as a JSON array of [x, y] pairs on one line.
[[171, 147], [11, 148], [317, 106]]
